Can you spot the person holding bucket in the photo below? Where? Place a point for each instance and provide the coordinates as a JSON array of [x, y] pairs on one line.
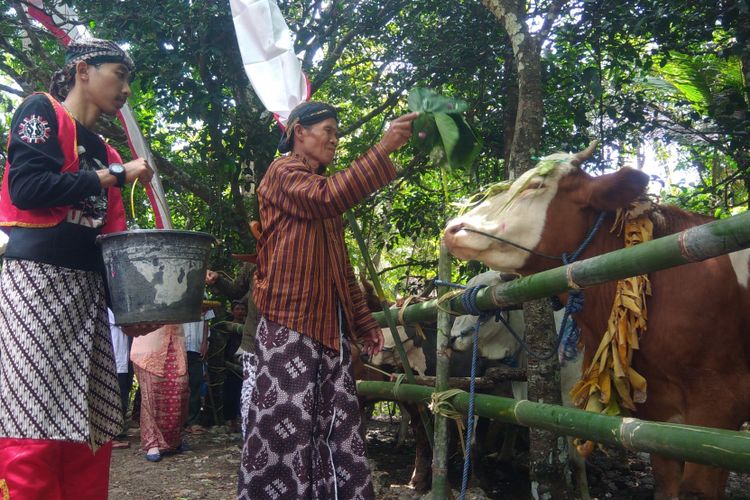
[[59, 396], [304, 428]]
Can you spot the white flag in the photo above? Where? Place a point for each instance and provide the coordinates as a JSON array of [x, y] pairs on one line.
[[267, 50]]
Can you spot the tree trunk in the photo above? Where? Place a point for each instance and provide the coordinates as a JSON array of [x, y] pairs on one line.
[[548, 455], [528, 130], [509, 113], [547, 471]]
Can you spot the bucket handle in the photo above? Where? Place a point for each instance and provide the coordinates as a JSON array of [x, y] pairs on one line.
[[156, 199]]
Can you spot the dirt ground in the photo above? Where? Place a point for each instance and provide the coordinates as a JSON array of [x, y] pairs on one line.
[[209, 471]]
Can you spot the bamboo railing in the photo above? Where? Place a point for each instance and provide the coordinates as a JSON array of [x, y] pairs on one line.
[[717, 447], [692, 245]]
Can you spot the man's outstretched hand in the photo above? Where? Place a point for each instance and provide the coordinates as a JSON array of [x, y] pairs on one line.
[[398, 133]]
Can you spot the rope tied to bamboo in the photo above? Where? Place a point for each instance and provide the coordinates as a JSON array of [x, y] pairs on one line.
[[469, 302], [440, 405], [397, 385], [447, 298], [401, 321]]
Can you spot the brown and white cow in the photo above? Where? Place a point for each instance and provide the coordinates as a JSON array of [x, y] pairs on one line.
[[696, 351]]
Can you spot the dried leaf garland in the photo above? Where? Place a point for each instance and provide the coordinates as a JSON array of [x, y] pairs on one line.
[[609, 384]]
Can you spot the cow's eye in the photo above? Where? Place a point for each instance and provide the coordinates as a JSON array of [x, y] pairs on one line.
[[533, 185]]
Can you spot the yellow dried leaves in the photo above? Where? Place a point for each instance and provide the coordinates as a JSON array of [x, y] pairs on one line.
[[610, 367]]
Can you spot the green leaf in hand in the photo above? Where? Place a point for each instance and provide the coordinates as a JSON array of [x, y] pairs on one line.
[[425, 132], [427, 101], [466, 149], [441, 131]]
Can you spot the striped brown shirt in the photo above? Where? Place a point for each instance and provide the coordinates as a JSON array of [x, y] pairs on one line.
[[303, 265]]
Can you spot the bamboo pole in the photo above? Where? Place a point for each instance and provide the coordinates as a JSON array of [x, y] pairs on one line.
[[717, 447], [440, 485], [391, 321], [489, 380], [692, 245]]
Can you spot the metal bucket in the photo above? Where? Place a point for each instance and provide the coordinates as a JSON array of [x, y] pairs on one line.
[[156, 276]]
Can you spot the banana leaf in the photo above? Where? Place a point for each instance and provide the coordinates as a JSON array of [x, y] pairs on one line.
[[441, 131]]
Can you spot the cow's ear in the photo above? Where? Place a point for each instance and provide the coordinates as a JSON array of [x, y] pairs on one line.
[[617, 190]]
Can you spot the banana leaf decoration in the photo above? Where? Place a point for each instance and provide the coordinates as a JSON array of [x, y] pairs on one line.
[[441, 131]]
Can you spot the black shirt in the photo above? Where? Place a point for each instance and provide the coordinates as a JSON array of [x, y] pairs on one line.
[[35, 181]]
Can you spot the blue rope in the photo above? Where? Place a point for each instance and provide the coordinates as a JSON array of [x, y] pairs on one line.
[[590, 236], [469, 301], [448, 284]]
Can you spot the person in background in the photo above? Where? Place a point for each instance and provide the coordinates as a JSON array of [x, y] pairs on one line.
[[220, 337], [59, 396], [241, 288], [233, 382], [304, 425], [160, 362], [121, 347], [196, 345]]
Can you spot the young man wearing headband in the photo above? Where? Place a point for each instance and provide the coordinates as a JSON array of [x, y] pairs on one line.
[[59, 397], [305, 435]]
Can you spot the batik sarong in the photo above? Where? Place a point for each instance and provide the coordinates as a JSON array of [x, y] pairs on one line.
[[249, 367], [304, 424], [58, 378], [164, 404]]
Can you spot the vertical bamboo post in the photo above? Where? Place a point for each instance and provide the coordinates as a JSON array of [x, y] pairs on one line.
[[440, 486], [391, 320]]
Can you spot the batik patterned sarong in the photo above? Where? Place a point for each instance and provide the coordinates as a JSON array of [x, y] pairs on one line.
[[58, 378], [249, 367], [164, 404], [304, 424]]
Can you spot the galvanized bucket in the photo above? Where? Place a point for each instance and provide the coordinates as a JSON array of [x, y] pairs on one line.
[[156, 276]]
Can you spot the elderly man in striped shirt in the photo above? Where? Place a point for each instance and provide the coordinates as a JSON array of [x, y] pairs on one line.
[[304, 427]]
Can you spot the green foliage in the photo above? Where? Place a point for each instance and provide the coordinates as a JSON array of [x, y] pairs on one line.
[[441, 131], [599, 66], [427, 101]]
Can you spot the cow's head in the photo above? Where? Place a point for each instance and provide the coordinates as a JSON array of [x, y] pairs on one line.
[[495, 342], [388, 357], [548, 209]]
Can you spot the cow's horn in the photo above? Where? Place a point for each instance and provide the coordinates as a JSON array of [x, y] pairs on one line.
[[584, 155]]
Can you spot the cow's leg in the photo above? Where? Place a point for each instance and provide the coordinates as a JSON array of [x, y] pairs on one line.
[[701, 482], [724, 406], [403, 427], [667, 473], [421, 476]]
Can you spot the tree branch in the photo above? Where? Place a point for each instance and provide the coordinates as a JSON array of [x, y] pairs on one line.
[[329, 63], [421, 263], [549, 19], [27, 87], [31, 34], [390, 102], [183, 179], [11, 90]]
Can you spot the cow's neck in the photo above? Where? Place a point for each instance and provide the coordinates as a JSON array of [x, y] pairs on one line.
[[602, 242]]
